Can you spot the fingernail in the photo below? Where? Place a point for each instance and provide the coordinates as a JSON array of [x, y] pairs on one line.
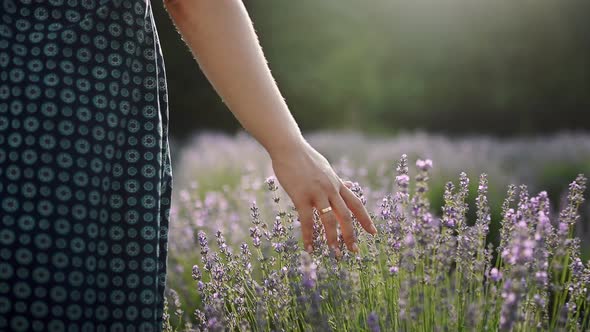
[[309, 248], [374, 229], [355, 248], [337, 252]]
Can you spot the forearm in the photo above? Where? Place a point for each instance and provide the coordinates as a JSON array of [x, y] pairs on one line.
[[222, 39]]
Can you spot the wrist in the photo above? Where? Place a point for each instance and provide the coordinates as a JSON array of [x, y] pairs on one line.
[[285, 145]]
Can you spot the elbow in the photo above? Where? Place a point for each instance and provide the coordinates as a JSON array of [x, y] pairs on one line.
[[171, 3], [175, 8]]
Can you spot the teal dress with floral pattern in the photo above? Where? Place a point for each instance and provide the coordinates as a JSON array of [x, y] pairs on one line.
[[85, 171]]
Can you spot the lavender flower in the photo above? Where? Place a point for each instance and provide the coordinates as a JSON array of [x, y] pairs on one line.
[[393, 270], [495, 274], [426, 271], [424, 165], [196, 273], [309, 270], [271, 183], [373, 322], [402, 180], [203, 243]]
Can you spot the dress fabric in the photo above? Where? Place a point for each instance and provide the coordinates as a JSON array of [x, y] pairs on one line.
[[85, 168]]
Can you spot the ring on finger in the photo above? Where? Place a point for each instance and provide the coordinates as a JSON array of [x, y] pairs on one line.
[[325, 210]]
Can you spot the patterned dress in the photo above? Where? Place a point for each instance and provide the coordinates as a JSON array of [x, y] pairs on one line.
[[85, 170]]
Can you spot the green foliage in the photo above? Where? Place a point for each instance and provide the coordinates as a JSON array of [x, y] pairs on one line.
[[501, 67], [554, 177]]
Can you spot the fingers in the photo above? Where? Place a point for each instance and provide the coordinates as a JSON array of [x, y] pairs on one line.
[[340, 202], [329, 221], [306, 218], [343, 214], [357, 208]]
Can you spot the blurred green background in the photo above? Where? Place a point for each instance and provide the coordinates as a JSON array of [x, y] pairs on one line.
[[503, 68]]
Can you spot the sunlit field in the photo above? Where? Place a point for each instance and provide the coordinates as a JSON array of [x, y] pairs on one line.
[[474, 234]]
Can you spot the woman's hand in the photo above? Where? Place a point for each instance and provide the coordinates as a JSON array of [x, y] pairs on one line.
[[222, 39], [310, 181]]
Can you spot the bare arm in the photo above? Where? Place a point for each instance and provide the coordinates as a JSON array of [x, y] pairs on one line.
[[222, 39]]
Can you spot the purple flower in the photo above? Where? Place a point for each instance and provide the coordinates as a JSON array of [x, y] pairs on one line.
[[243, 290], [450, 223], [373, 322], [393, 270], [409, 240], [256, 242], [218, 273], [495, 275], [542, 277], [244, 250], [509, 313], [539, 300], [308, 282], [386, 208], [528, 246], [203, 242], [464, 183], [196, 273], [424, 165], [308, 269], [213, 322], [278, 246], [520, 250], [544, 227], [255, 234], [402, 180], [509, 297], [271, 183], [563, 228]]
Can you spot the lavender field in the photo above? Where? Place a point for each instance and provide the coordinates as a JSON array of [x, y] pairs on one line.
[[475, 234]]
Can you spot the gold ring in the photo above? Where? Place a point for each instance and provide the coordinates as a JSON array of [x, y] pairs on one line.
[[328, 209]]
